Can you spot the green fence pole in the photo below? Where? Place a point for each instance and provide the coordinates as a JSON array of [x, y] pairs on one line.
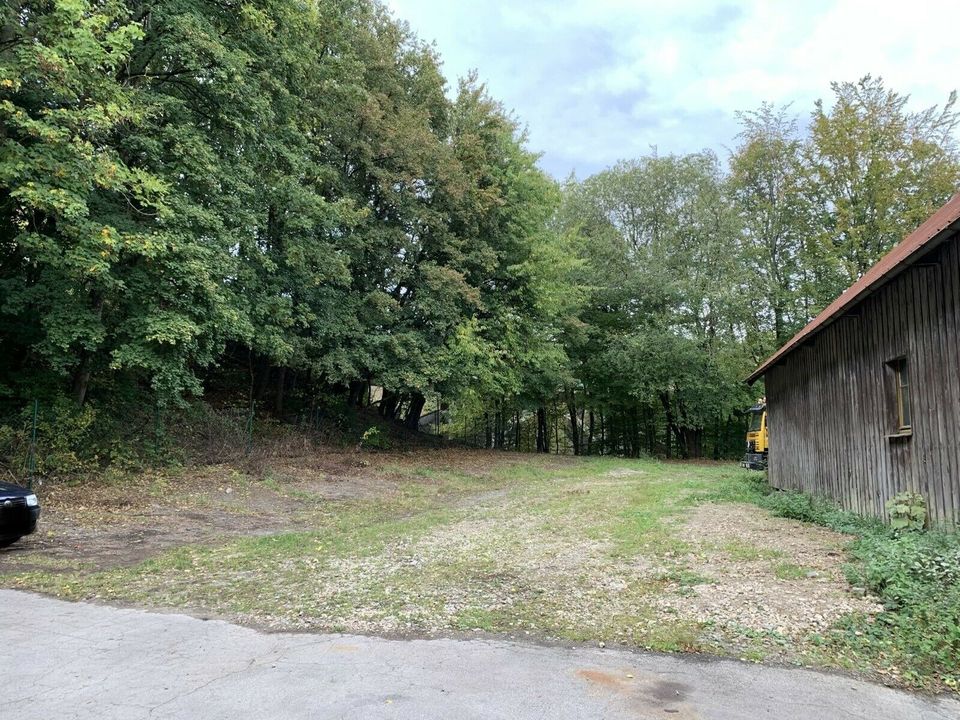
[[253, 409], [156, 430], [32, 455]]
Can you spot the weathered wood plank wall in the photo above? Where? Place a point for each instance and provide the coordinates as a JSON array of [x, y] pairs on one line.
[[832, 408]]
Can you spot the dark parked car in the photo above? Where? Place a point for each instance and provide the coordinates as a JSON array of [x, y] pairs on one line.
[[19, 510]]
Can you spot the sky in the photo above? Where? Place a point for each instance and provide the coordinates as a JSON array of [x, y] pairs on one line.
[[596, 81]]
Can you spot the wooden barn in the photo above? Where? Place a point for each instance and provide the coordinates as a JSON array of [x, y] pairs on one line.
[[864, 402]]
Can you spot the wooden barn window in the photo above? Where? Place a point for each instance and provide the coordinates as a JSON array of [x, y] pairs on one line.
[[901, 386]]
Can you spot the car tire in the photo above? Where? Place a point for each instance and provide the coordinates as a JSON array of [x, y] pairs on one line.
[[8, 541]]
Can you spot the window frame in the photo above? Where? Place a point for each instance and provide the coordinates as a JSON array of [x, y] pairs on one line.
[[903, 416]]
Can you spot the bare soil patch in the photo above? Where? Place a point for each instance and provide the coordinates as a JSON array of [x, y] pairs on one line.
[[100, 524], [740, 550]]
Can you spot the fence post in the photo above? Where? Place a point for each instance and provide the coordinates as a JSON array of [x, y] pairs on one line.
[[32, 452], [253, 409], [156, 429]]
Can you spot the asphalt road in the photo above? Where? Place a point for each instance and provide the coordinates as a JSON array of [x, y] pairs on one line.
[[69, 660]]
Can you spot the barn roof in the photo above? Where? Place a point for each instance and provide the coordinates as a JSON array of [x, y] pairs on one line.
[[891, 265]]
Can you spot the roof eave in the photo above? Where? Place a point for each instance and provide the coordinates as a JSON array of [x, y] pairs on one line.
[[935, 230]]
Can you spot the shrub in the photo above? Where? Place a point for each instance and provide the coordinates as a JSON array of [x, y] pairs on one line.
[[908, 511], [66, 439], [375, 438], [915, 576]]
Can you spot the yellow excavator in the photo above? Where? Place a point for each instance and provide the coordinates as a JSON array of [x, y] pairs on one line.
[[758, 438]]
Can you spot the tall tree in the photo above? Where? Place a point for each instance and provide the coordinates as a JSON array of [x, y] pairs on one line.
[[98, 275], [660, 352], [766, 180], [876, 171]]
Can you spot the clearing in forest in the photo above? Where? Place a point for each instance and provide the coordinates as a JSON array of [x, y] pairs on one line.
[[643, 554]]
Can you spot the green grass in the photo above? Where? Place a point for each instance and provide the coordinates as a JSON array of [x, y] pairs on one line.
[[790, 571], [740, 550], [496, 548], [583, 550], [916, 576]]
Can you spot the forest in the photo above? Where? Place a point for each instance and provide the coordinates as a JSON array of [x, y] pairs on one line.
[[283, 205]]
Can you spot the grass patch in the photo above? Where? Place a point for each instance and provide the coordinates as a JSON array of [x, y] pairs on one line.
[[676, 637], [684, 577], [739, 550], [916, 576], [789, 571], [592, 549], [545, 545]]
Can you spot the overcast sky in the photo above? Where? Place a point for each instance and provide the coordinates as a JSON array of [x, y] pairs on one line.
[[600, 80]]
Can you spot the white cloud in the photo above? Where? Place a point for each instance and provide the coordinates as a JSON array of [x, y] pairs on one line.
[[601, 80]]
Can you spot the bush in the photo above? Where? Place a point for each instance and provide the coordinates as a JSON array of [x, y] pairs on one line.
[[798, 506], [908, 511], [375, 438], [66, 439], [75, 442], [917, 578]]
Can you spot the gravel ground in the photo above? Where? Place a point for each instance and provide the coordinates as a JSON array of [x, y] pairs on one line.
[[609, 551], [745, 592], [500, 562]]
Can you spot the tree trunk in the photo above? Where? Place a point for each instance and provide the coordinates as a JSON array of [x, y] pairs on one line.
[[357, 390], [778, 328], [574, 425], [81, 378], [388, 405], [417, 401], [590, 432], [543, 437], [692, 443], [488, 432], [556, 433], [278, 393], [671, 426], [716, 439], [603, 434]]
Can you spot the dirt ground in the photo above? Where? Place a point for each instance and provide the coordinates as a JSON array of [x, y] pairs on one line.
[[741, 587], [635, 553], [103, 525]]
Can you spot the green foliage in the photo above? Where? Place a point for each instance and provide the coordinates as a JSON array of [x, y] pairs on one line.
[[67, 440], [767, 176], [375, 438], [657, 340], [275, 187], [916, 577], [908, 511], [71, 441], [875, 171], [284, 203], [799, 506]]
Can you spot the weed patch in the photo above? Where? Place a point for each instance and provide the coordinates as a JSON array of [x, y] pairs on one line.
[[916, 576]]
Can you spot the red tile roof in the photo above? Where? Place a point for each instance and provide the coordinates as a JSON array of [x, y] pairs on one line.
[[889, 266]]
